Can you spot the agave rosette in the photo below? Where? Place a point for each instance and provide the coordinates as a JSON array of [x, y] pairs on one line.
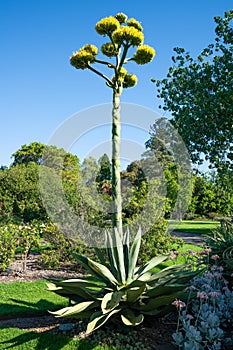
[[118, 288]]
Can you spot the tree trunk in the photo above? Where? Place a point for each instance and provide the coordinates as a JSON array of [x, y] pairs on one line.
[[116, 175]]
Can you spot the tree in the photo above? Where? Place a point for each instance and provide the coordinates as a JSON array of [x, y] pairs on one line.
[[29, 153], [199, 95], [123, 34], [20, 193]]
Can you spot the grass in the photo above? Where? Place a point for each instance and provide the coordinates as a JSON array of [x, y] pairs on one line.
[[14, 338], [28, 297], [197, 227]]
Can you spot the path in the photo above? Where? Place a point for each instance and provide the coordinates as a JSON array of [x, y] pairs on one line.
[[190, 238]]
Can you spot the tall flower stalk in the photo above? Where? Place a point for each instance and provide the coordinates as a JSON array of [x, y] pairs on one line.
[[123, 34]]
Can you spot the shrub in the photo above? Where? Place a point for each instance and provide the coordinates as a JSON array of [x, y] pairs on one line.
[[8, 244], [158, 241], [61, 249]]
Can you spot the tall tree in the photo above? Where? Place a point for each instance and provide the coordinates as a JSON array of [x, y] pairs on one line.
[[123, 34], [199, 95]]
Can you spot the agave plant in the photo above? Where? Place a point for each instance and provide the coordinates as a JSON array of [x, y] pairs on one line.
[[221, 243], [118, 289]]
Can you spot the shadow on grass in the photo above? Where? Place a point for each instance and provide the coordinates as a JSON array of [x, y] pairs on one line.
[[21, 307], [26, 340]]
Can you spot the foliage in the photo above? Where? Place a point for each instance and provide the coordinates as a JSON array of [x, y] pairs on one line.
[[18, 238], [201, 325], [120, 290], [211, 195], [220, 242], [158, 241], [8, 242], [20, 196], [198, 93], [61, 249]]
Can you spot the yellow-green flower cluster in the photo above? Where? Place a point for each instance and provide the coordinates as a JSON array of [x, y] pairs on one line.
[[128, 35], [130, 80], [83, 57], [109, 50], [132, 22], [121, 17], [144, 54], [107, 25], [122, 72], [90, 48]]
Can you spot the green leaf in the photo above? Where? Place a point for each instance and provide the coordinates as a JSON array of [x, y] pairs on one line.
[[98, 270], [126, 252], [134, 293], [133, 255], [111, 257], [129, 318], [119, 254], [74, 310], [151, 264], [159, 302], [98, 319], [70, 292], [164, 290], [111, 301]]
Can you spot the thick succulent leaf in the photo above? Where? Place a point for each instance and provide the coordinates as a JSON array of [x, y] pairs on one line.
[[126, 240], [75, 310], [98, 319], [111, 301], [159, 302], [111, 256], [135, 283], [164, 290], [100, 256], [133, 255], [163, 276], [76, 283], [134, 293], [99, 270], [151, 264], [70, 291], [118, 252], [130, 319], [184, 276]]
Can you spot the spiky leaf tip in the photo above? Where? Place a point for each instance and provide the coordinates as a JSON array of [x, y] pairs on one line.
[[81, 59], [132, 22], [130, 80], [128, 35], [121, 17], [107, 25], [108, 49], [144, 54]]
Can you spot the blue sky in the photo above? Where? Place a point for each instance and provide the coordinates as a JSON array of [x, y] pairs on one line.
[[39, 89]]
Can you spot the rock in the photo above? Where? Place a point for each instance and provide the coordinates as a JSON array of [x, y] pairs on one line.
[[66, 327]]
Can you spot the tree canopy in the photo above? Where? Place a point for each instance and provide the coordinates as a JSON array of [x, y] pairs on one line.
[[198, 92]]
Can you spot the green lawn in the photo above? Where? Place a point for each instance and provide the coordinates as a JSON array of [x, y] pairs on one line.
[[14, 338], [28, 297], [198, 227]]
